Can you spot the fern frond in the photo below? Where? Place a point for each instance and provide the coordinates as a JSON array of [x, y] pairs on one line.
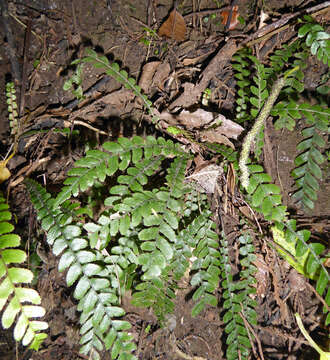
[[88, 270], [305, 256], [308, 172], [206, 266], [293, 55], [289, 112], [241, 65], [264, 196], [18, 302], [316, 38], [96, 165], [156, 293], [12, 108], [237, 300], [121, 76]]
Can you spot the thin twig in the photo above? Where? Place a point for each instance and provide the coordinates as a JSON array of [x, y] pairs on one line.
[[250, 328], [27, 40]]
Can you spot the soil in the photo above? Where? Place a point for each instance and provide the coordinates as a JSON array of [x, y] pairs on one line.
[[61, 30]]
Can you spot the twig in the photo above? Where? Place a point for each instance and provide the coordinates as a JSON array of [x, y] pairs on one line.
[[278, 25], [250, 328], [318, 296], [27, 40]]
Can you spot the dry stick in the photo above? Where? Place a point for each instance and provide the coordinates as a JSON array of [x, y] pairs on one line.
[[318, 296], [246, 323], [281, 22], [27, 40], [192, 92]]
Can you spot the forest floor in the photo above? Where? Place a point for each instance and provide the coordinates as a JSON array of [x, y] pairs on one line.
[[60, 31]]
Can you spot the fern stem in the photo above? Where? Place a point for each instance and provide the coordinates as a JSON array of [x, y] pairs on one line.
[[248, 140]]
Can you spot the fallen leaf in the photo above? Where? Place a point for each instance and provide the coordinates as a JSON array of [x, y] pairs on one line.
[[174, 27], [212, 136], [234, 18], [201, 118], [206, 176], [4, 172]]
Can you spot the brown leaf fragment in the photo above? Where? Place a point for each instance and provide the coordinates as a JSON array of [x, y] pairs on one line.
[[206, 177], [147, 75], [234, 18], [214, 136], [174, 27]]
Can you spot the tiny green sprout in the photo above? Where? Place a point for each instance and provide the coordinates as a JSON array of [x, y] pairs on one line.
[[36, 63], [147, 329], [241, 20], [206, 96], [323, 355], [213, 16], [174, 130]]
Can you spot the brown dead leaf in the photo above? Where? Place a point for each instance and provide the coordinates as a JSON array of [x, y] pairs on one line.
[[148, 73], [154, 75], [190, 120], [174, 27], [206, 176], [234, 18], [214, 136]]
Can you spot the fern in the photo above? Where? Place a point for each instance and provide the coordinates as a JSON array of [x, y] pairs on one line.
[[237, 300], [121, 76], [316, 38], [307, 172], [17, 301], [206, 266], [303, 256], [145, 222], [151, 226], [90, 272], [12, 108], [264, 196]]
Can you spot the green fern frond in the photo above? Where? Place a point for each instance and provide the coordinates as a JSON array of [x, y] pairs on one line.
[[264, 196], [89, 271], [241, 65], [305, 256], [237, 300], [156, 293], [18, 302], [316, 38], [146, 155], [12, 108], [205, 269], [121, 76], [293, 55], [308, 172], [289, 112]]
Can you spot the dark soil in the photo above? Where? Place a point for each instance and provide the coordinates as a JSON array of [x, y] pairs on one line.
[[61, 32]]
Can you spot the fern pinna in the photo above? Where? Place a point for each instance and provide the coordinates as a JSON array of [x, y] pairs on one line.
[[18, 302]]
